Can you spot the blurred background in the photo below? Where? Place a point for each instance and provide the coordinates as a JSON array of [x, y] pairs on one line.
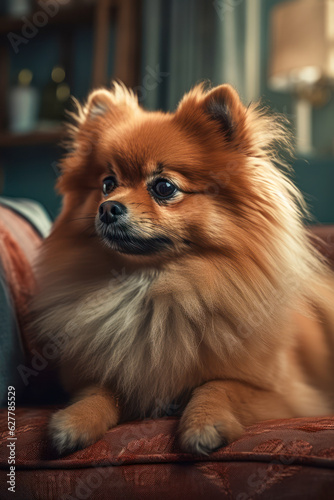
[[279, 51]]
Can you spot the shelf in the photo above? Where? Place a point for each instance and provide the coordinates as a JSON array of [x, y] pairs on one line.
[[66, 15], [34, 138]]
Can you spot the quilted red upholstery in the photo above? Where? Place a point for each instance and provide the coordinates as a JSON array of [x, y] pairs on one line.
[[281, 459], [291, 458]]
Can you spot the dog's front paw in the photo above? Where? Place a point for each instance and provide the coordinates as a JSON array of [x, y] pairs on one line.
[[72, 429], [203, 435], [202, 440]]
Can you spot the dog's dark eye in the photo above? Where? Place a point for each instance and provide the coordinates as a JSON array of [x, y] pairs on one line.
[[163, 189], [109, 184]]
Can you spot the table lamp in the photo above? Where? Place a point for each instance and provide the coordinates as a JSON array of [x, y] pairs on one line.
[[302, 59]]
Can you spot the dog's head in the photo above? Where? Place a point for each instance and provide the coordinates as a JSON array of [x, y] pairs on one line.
[[158, 185]]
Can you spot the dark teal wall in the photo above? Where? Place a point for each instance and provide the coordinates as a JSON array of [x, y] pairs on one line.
[[31, 172], [315, 178]]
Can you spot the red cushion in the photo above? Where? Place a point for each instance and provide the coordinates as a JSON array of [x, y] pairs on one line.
[[325, 241], [291, 458], [19, 244]]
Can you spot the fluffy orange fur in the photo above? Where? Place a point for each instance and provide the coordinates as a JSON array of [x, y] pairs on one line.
[[217, 303]]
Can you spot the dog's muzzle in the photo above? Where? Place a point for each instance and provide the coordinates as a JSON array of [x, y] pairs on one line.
[[113, 226]]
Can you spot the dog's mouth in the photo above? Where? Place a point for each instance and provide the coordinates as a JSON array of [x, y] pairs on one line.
[[122, 241]]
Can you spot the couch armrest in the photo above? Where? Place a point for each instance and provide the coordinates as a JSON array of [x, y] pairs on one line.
[[19, 242]]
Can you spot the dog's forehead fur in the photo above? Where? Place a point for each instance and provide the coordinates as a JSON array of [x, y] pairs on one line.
[[151, 143]]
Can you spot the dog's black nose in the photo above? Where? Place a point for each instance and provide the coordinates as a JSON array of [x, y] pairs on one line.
[[111, 211]]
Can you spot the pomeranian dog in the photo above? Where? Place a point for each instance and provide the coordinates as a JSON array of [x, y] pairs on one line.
[[179, 272]]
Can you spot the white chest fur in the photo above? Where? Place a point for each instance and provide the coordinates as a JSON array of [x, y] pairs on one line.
[[140, 345]]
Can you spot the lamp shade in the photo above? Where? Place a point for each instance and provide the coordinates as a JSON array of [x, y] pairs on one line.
[[302, 43]]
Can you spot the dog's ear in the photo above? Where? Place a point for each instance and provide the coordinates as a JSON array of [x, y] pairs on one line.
[[99, 103], [220, 106], [223, 105], [103, 111], [103, 108], [102, 102]]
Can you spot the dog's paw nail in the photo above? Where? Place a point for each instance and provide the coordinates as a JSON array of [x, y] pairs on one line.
[[203, 440]]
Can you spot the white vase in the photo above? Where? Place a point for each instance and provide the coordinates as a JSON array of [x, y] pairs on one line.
[[23, 108], [18, 8]]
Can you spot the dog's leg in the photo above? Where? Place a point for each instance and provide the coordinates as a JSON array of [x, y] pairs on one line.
[[219, 410], [85, 421]]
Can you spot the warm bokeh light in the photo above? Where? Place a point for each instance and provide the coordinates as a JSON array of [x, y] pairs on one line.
[[63, 92], [25, 77], [58, 74]]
